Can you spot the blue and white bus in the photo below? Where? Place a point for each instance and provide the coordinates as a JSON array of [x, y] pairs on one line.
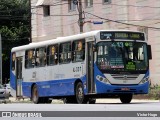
[[82, 67]]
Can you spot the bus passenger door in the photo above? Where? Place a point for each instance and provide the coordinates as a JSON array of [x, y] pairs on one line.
[[90, 67], [19, 76]]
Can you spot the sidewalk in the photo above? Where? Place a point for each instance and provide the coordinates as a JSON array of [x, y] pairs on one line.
[[14, 100], [116, 100], [5, 101]]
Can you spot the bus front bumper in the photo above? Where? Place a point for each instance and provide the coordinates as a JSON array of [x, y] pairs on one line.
[[118, 89]]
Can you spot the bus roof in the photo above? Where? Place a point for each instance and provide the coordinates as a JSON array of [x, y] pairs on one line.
[[60, 40]]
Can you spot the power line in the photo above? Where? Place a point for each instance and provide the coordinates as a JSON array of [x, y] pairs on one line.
[[57, 14], [126, 20], [58, 25], [125, 5], [120, 22]]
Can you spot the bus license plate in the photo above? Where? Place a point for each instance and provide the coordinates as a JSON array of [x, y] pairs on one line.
[[125, 89]]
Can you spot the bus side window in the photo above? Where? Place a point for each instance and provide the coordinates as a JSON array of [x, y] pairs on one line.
[[41, 56], [52, 55], [65, 52], [30, 58], [13, 61], [78, 51]]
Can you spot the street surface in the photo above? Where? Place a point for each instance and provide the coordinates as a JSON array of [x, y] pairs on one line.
[[106, 105], [101, 105]]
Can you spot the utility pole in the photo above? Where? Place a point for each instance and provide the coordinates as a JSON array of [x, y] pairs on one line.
[[0, 59], [30, 21], [80, 16]]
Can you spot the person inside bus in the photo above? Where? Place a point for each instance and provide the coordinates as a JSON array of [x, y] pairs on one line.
[[30, 59], [13, 61], [53, 56], [80, 53], [42, 57]]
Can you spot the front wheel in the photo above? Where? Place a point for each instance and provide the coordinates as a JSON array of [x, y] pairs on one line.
[[79, 93], [126, 98]]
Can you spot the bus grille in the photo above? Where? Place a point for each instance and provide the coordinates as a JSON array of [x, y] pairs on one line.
[[125, 77]]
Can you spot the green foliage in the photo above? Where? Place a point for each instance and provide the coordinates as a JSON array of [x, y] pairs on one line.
[[14, 27], [154, 92]]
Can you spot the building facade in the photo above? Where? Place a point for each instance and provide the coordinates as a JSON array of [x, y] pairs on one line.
[[58, 18]]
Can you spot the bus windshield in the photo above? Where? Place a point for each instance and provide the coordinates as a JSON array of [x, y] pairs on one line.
[[122, 56]]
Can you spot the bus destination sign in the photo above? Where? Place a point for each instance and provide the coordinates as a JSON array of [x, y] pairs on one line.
[[122, 35]]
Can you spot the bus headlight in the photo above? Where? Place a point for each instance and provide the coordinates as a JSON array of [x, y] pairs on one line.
[[144, 80], [102, 79]]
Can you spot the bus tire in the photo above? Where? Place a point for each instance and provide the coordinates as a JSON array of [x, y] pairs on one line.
[[79, 93], [35, 97], [126, 98]]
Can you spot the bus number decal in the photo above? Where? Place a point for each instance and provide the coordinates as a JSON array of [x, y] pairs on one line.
[[77, 69]]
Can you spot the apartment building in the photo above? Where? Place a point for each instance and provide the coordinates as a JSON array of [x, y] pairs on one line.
[[57, 18]]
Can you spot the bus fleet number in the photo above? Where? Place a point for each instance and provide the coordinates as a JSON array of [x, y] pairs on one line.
[[77, 69]]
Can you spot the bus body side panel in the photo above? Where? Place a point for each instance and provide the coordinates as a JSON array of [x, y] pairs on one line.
[[13, 83], [55, 80], [107, 88], [12, 77], [52, 88]]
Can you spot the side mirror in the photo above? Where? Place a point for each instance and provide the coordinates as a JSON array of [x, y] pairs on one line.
[[149, 52]]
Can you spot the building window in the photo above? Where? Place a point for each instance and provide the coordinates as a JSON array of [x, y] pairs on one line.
[[52, 55], [65, 52], [106, 1], [88, 3], [46, 10], [71, 5], [78, 51]]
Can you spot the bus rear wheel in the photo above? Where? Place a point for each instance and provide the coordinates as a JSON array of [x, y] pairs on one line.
[[126, 98], [35, 97], [79, 93]]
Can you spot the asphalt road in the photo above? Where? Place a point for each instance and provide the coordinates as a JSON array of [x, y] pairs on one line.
[[104, 109]]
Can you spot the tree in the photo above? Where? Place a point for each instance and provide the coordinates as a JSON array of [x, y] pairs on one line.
[[14, 28]]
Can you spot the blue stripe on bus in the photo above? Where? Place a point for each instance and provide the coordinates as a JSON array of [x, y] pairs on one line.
[[66, 88], [12, 80], [52, 87], [12, 76]]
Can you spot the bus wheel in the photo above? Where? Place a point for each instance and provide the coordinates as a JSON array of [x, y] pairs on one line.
[[126, 98], [80, 93], [35, 98]]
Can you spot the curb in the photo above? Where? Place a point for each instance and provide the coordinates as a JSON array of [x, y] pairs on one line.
[[5, 101]]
